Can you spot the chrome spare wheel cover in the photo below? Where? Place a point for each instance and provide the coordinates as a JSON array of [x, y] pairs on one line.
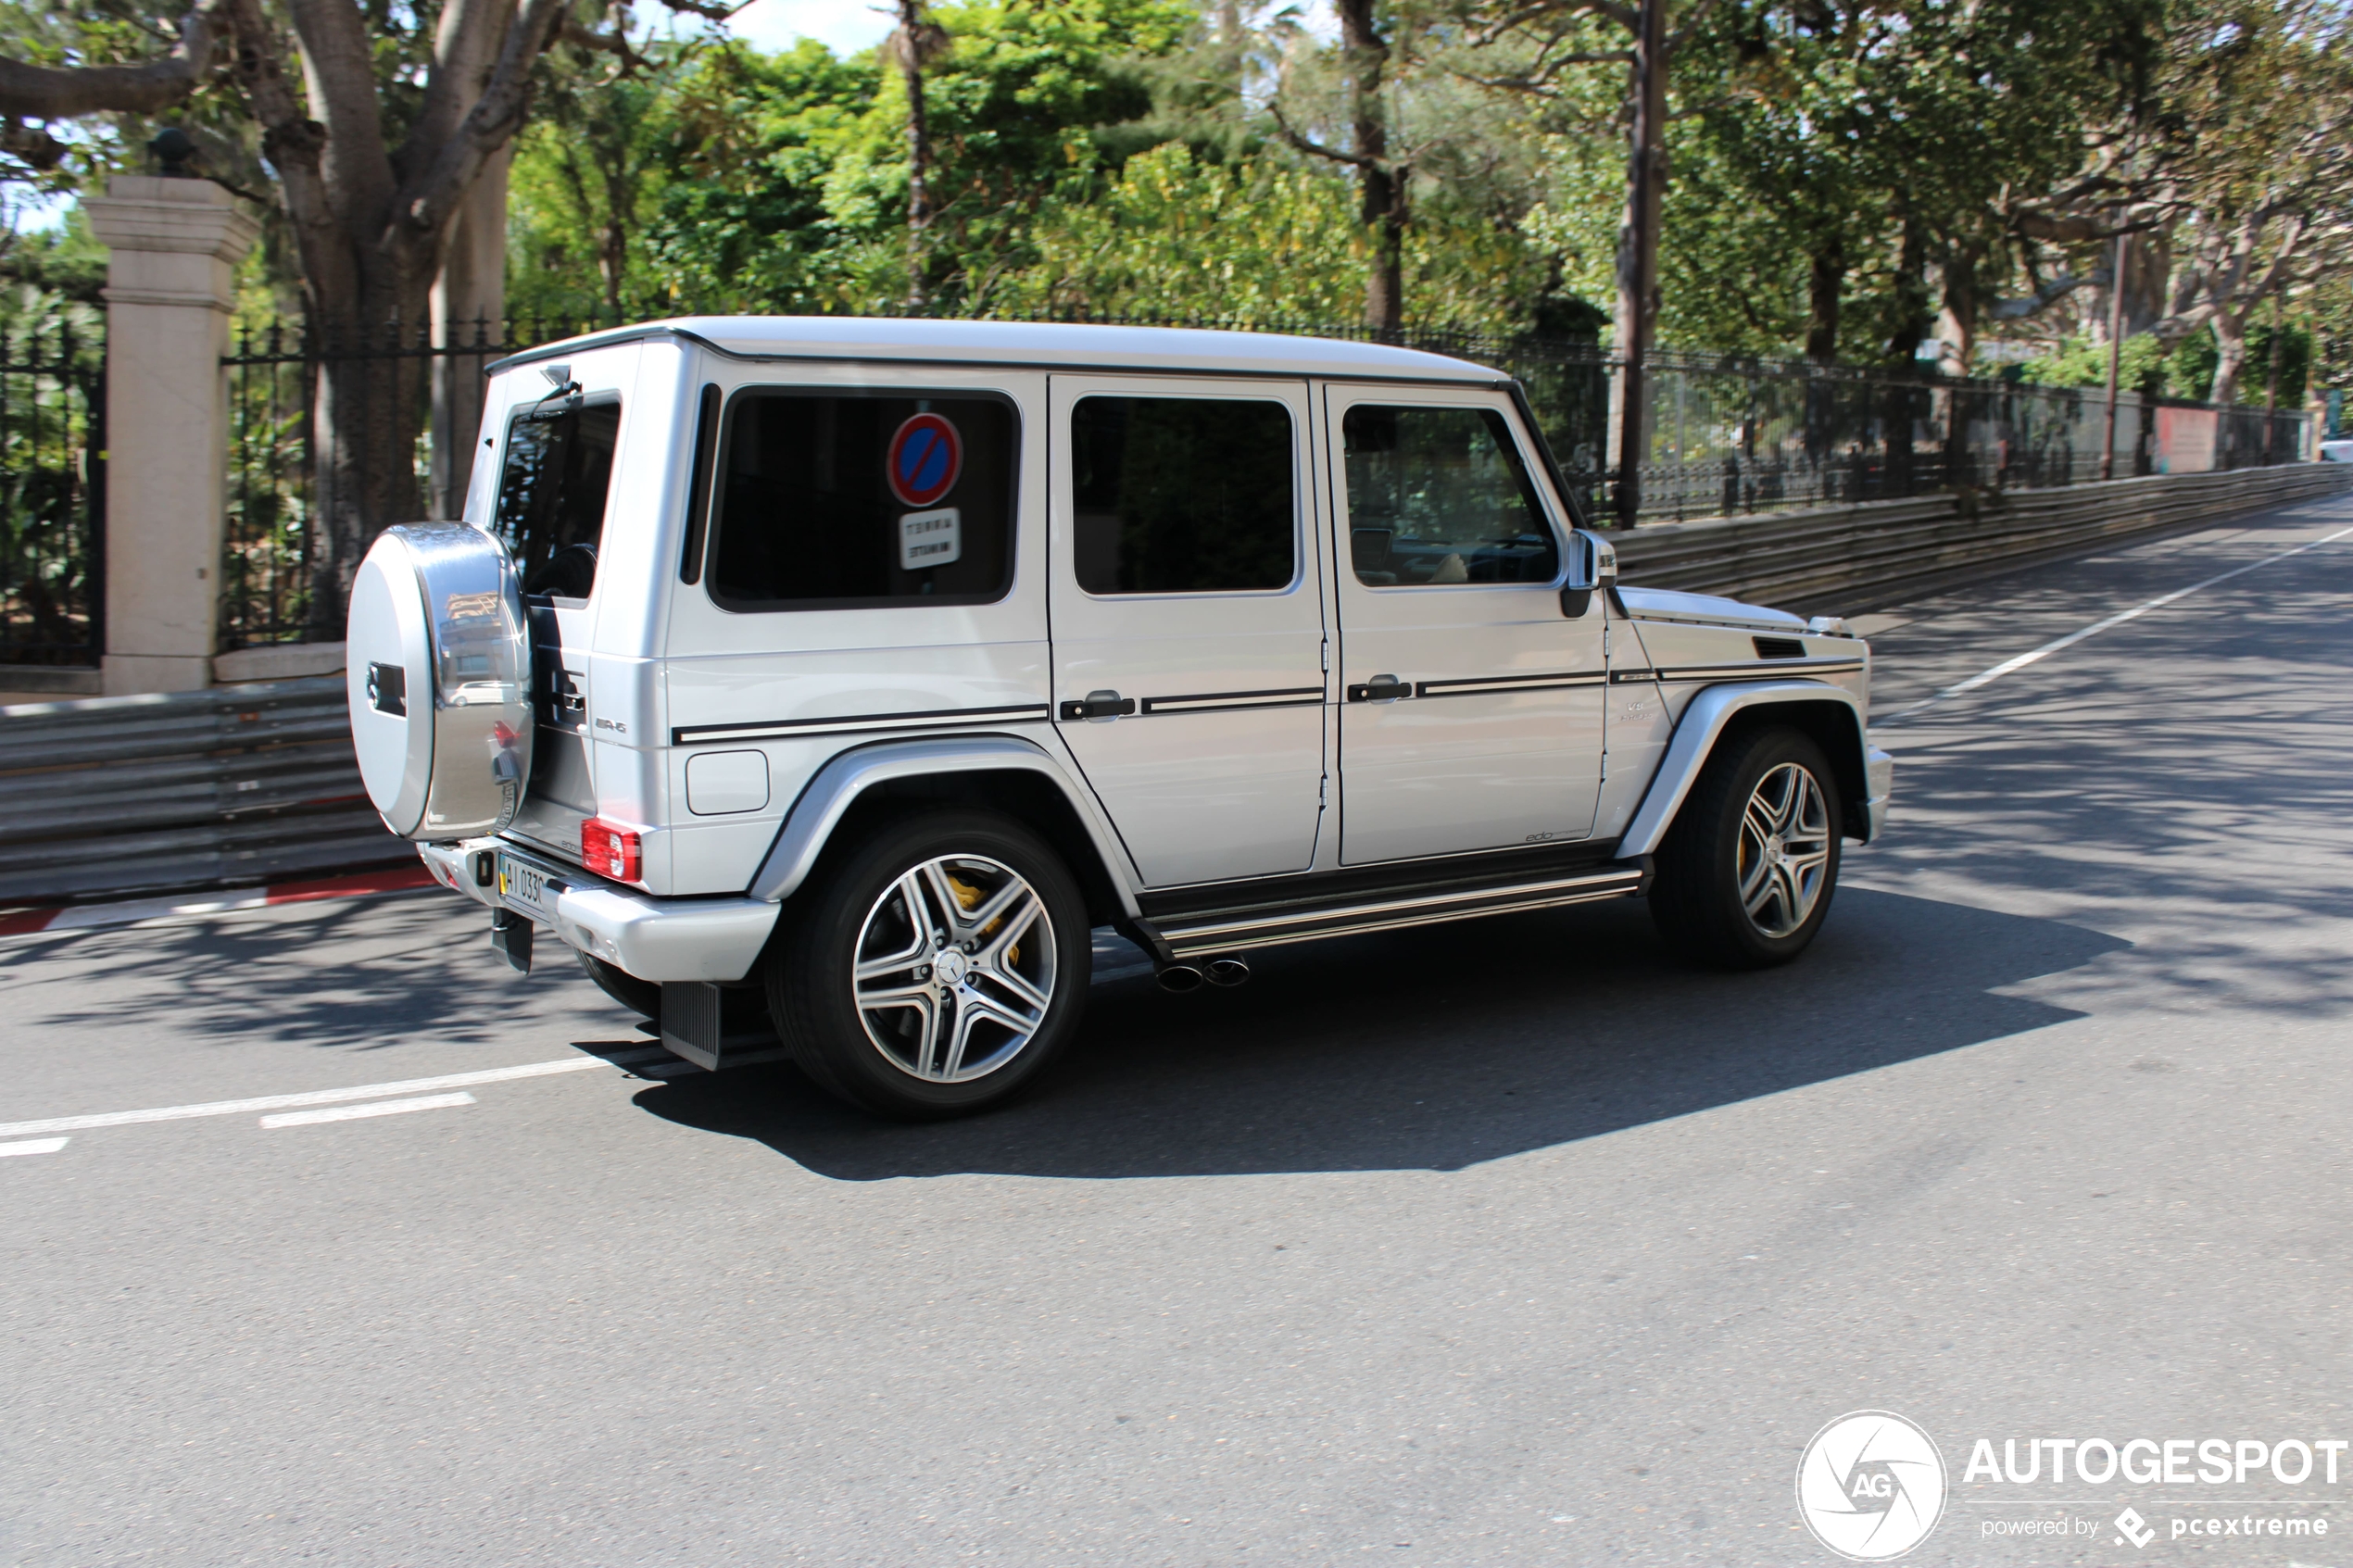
[[955, 969], [1784, 849]]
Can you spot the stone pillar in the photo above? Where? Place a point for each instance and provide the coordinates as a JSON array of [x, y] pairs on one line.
[[171, 282]]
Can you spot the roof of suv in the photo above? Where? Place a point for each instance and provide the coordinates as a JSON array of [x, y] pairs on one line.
[[1035, 343]]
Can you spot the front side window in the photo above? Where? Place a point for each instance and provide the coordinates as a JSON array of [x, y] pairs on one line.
[[852, 500], [552, 489], [1439, 495], [1182, 496]]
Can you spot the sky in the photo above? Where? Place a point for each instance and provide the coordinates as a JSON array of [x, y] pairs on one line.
[[848, 26], [843, 26]]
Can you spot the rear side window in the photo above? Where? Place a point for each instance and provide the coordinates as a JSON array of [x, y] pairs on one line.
[[552, 490], [1439, 497], [849, 500], [1182, 496]]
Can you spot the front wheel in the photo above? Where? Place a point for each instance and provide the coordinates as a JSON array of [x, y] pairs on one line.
[[936, 968], [1745, 876]]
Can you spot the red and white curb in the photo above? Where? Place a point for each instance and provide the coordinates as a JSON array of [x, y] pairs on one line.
[[86, 917]]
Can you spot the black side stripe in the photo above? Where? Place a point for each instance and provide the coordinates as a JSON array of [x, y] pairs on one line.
[[687, 734], [1484, 685], [1759, 670], [1206, 702]]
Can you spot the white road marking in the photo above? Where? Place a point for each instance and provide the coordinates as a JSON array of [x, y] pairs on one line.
[[326, 1096], [2033, 655], [36, 1145], [375, 1108]]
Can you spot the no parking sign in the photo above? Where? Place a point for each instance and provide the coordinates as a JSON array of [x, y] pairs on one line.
[[924, 458]]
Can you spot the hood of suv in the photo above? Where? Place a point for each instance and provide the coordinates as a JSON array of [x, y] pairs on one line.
[[1705, 609]]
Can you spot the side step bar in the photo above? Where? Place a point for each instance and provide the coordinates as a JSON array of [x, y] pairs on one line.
[[1191, 936]]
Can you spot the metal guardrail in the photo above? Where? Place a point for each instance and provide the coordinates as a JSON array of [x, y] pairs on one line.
[[256, 783], [1854, 557], [124, 794]]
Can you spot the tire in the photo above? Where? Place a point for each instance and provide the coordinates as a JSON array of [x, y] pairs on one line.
[[1737, 889], [640, 997], [942, 1044]]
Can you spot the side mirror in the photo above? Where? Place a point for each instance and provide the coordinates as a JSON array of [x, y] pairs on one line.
[[1593, 564]]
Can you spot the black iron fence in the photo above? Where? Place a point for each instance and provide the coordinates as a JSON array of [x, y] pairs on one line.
[[53, 503], [281, 488], [1722, 434]]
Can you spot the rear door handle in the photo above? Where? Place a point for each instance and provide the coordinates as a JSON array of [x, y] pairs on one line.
[[1099, 706], [1380, 688]]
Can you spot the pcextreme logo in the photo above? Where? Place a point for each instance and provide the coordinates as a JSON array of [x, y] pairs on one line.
[[1870, 1486]]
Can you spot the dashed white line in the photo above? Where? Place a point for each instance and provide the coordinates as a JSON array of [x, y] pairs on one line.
[[325, 1097], [374, 1108], [2033, 655], [36, 1145]]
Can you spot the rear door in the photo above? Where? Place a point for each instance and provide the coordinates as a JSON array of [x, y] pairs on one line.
[[1472, 711], [1188, 625]]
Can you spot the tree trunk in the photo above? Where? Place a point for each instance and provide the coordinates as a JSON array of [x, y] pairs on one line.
[[1637, 313], [468, 306], [911, 38], [1826, 282], [1380, 184], [2271, 382], [1957, 317], [369, 409], [2230, 359]]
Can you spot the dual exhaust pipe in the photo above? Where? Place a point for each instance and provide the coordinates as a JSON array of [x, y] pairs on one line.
[[1179, 978]]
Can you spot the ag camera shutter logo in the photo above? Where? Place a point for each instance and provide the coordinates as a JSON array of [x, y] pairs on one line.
[[1870, 1486]]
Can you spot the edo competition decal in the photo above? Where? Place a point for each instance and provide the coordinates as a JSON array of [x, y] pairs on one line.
[[924, 458]]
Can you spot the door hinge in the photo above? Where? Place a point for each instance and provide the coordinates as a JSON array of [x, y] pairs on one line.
[[1321, 785], [1326, 646]]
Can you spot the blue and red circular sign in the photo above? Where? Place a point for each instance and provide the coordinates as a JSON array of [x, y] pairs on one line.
[[924, 458]]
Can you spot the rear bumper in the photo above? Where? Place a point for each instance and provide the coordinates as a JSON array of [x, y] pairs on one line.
[[652, 938]]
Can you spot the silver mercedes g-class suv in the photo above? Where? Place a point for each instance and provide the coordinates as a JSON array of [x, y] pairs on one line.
[[862, 668]]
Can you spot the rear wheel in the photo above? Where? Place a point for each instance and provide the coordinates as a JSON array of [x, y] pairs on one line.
[[936, 968], [1745, 876]]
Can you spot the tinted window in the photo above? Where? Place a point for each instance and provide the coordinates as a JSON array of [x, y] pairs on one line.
[[1182, 496], [1437, 495], [551, 493], [843, 500]]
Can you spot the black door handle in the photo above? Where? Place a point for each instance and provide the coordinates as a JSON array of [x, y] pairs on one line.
[[1380, 688], [1100, 705]]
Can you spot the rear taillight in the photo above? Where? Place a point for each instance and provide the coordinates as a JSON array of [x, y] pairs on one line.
[[610, 850]]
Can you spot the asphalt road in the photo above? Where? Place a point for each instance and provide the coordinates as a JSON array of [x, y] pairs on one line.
[[1508, 1242]]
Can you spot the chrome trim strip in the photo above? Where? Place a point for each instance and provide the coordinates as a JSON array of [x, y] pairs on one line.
[[1287, 696], [692, 735]]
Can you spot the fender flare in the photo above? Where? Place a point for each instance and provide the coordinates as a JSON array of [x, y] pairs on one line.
[[836, 786], [1704, 718]]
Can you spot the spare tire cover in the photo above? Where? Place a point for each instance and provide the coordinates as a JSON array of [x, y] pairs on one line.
[[437, 669]]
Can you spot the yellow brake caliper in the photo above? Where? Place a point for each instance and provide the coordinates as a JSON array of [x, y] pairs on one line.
[[969, 897]]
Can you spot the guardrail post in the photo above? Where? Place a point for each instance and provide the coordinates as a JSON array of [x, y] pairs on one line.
[[171, 282]]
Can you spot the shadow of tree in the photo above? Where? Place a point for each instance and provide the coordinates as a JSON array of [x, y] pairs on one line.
[[354, 976], [1440, 1047]]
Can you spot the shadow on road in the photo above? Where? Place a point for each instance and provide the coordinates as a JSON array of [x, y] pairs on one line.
[[1442, 1047]]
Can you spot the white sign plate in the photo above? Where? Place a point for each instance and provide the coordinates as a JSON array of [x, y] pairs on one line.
[[930, 538]]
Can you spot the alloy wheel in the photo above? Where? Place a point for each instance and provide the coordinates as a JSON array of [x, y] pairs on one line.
[[955, 969], [1784, 849]]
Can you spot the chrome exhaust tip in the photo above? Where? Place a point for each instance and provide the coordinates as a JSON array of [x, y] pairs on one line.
[[1228, 971], [1179, 978]]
